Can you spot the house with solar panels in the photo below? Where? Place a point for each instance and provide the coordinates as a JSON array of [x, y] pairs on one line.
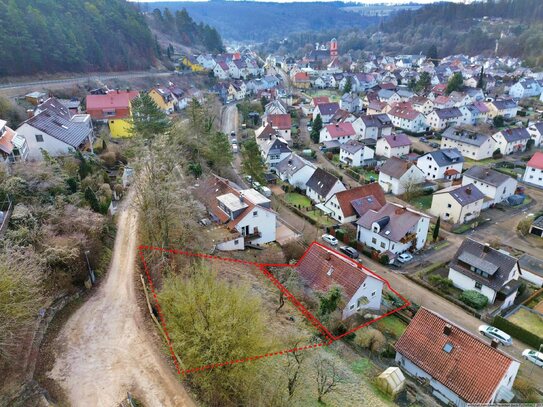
[[441, 164]]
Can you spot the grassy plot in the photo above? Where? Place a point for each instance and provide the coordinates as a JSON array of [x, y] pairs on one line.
[[296, 199], [421, 202], [530, 321]]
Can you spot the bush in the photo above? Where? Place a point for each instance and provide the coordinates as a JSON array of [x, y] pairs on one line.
[[518, 332], [474, 299], [384, 259], [440, 282], [371, 338]]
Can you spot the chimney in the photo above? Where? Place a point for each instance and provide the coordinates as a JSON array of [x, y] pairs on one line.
[[328, 256], [447, 329], [30, 113], [486, 248], [494, 343], [468, 190], [241, 197], [394, 138]]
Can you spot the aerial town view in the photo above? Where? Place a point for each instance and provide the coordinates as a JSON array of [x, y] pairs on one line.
[[226, 203]]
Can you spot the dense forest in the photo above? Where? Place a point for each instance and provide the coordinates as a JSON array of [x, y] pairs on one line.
[[260, 21], [183, 29], [517, 26], [72, 35]]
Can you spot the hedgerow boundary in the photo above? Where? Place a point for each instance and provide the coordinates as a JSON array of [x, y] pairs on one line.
[[330, 338]]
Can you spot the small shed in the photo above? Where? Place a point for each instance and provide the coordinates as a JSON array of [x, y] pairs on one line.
[[391, 381]]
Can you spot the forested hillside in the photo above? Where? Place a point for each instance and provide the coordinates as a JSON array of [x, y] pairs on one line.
[[72, 35], [260, 21], [181, 28]]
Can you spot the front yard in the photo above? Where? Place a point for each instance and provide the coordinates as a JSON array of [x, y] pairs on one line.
[[298, 200], [304, 204], [530, 321], [421, 202]]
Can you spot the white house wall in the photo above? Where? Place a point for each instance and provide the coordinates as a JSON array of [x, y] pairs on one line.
[[372, 289], [264, 220], [464, 283], [50, 144]]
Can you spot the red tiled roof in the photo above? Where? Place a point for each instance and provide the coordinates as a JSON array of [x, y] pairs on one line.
[[536, 161], [314, 268], [346, 197], [301, 77], [113, 100], [451, 171], [281, 121], [404, 110], [342, 129], [6, 141], [472, 369]]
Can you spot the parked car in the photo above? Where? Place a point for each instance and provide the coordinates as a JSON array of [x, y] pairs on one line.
[[204, 222], [266, 192], [256, 185], [329, 239], [309, 128], [434, 145], [533, 356], [423, 140], [349, 251], [495, 333], [405, 257], [234, 141], [235, 148], [232, 134]]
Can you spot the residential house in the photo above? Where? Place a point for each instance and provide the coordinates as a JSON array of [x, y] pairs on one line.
[[350, 102], [422, 104], [340, 132], [471, 144], [192, 63], [237, 90], [326, 110], [374, 126], [534, 170], [405, 117], [531, 269], [440, 119], [295, 170], [244, 211], [457, 204], [536, 228], [394, 145], [496, 186], [114, 108], [526, 88], [317, 100], [389, 96], [393, 229], [512, 140], [56, 131], [356, 153], [347, 206], [507, 108], [282, 123], [13, 147], [164, 99], [221, 70], [206, 61], [275, 107], [493, 273], [322, 185], [459, 367], [441, 164], [398, 176], [322, 268], [301, 80], [536, 133], [273, 150]]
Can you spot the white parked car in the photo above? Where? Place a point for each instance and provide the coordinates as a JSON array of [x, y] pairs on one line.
[[329, 239], [405, 257], [495, 333], [533, 356]]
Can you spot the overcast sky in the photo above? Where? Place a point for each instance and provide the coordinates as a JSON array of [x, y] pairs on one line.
[[347, 1]]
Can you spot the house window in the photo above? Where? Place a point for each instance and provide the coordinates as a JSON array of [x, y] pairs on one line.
[[236, 241], [39, 138], [352, 306], [373, 240], [373, 294], [449, 206], [255, 213], [383, 245], [478, 285]]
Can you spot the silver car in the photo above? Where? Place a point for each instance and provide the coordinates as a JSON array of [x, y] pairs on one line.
[[495, 333], [533, 356]]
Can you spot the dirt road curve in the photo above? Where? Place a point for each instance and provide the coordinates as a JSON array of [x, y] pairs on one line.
[[104, 351]]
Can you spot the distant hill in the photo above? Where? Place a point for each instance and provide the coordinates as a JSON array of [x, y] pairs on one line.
[[260, 21]]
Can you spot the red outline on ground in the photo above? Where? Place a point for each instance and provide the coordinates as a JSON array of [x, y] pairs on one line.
[[262, 266]]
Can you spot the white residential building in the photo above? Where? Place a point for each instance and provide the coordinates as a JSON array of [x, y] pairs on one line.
[[441, 164], [457, 204], [355, 153], [295, 170], [394, 145], [534, 170], [512, 140], [472, 145], [496, 186], [398, 176], [322, 185]]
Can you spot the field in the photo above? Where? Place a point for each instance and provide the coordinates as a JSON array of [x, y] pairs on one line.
[[528, 320], [296, 199]]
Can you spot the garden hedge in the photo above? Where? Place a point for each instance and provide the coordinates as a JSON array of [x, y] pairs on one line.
[[517, 332], [474, 299]]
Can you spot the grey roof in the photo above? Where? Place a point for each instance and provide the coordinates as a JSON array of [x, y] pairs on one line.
[[505, 104], [446, 156], [398, 140], [448, 113], [538, 222], [276, 146], [473, 253], [465, 136], [321, 182], [385, 93], [328, 108], [377, 120], [487, 176], [395, 167], [352, 146], [401, 221], [61, 128], [292, 164], [465, 194], [531, 264], [515, 134]]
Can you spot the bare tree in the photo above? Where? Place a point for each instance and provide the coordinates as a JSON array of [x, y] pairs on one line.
[[411, 187], [293, 370], [327, 375]]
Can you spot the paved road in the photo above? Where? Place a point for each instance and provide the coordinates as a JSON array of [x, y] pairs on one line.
[[82, 79], [105, 349]]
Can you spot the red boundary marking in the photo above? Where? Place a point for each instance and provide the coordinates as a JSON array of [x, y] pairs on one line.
[[263, 268]]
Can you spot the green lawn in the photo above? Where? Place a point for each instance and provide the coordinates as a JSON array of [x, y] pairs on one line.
[[320, 217], [421, 202], [366, 174], [486, 162], [294, 198], [391, 325], [528, 320]]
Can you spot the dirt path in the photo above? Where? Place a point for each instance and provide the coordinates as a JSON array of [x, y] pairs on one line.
[[104, 350]]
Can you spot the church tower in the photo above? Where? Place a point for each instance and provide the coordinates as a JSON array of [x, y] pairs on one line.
[[333, 48]]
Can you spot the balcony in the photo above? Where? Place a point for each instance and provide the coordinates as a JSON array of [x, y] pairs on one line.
[[408, 237]]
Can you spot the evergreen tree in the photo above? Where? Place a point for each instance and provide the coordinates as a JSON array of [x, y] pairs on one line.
[[432, 54], [91, 198], [147, 119], [435, 233], [481, 80], [424, 82], [252, 162], [220, 154], [316, 129], [456, 82], [348, 85]]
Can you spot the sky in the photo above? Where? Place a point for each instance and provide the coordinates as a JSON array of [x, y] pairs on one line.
[[346, 1]]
